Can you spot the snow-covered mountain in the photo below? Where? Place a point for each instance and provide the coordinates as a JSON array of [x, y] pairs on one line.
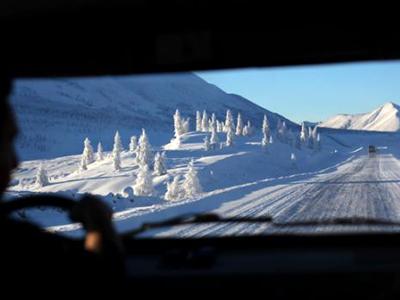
[[384, 118], [55, 115]]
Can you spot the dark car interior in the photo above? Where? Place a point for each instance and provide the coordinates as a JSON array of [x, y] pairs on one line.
[[85, 38]]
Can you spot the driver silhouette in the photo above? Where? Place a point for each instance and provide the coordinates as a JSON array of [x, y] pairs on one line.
[[31, 256]]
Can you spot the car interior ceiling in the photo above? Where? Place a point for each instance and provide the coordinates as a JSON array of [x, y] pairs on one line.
[[89, 39]]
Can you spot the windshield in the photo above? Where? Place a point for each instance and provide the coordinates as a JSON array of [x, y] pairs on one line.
[[306, 146]]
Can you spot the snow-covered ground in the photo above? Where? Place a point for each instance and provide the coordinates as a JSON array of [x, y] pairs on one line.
[[338, 180]]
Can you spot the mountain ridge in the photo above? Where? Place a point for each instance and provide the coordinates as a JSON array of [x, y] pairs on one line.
[[384, 118]]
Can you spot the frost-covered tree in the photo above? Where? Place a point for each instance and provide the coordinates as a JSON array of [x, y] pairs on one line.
[[317, 143], [159, 164], [214, 140], [245, 131], [310, 139], [83, 164], [191, 185], [265, 129], [304, 133], [178, 128], [133, 144], [88, 152], [186, 125], [229, 137], [206, 144], [282, 131], [250, 129], [315, 133], [100, 155], [220, 126], [239, 125], [209, 125], [116, 152], [204, 122], [213, 123], [144, 154], [41, 177], [198, 121], [229, 124], [117, 142], [116, 159], [173, 190], [293, 160], [144, 182]]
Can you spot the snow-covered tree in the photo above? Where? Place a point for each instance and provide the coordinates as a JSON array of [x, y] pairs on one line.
[[310, 139], [265, 141], [206, 144], [116, 158], [315, 133], [117, 142], [159, 164], [144, 154], [229, 121], [198, 121], [116, 152], [271, 140], [282, 132], [250, 129], [293, 160], [220, 126], [100, 155], [41, 177], [214, 140], [213, 123], [173, 190], [265, 128], [245, 131], [229, 137], [83, 164], [239, 125], [304, 134], [317, 143], [186, 125], [209, 125], [178, 128], [191, 185], [88, 152], [144, 182], [133, 144], [204, 122]]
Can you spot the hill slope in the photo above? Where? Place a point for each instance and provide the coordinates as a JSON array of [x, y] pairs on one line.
[[55, 115]]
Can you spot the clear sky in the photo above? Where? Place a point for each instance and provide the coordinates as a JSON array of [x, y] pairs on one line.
[[314, 93]]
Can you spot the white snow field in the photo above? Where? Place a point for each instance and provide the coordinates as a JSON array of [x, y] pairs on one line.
[[384, 118], [340, 180]]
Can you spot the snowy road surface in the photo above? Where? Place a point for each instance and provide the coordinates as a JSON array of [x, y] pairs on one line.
[[363, 187]]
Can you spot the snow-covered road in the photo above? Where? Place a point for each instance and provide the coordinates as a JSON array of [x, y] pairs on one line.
[[363, 187]]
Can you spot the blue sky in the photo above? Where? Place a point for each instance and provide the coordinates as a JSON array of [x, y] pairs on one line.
[[314, 93]]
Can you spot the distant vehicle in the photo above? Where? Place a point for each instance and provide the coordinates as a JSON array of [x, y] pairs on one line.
[[371, 149]]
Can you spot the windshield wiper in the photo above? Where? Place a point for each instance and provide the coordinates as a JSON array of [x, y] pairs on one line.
[[215, 218], [339, 221], [196, 219]]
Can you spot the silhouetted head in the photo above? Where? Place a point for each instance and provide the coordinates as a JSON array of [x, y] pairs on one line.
[[8, 132]]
